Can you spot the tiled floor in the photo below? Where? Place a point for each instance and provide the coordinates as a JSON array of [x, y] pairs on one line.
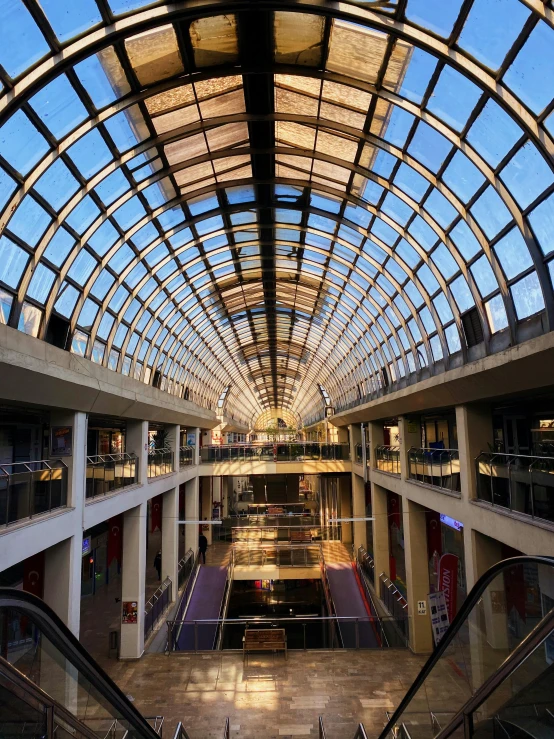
[[270, 697]]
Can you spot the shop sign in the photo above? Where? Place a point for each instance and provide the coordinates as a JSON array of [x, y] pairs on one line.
[[448, 582], [61, 441], [87, 548], [447, 521], [129, 613], [439, 615]]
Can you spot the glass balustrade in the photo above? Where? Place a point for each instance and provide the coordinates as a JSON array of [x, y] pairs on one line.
[[387, 459], [438, 468], [160, 462], [28, 489], [109, 472], [278, 452]]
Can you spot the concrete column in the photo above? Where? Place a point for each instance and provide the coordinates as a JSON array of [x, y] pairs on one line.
[[173, 439], [475, 433], [196, 452], [136, 441], [133, 573], [358, 511], [346, 485], [410, 435], [170, 538], [381, 550], [62, 564], [355, 438], [417, 575], [192, 513], [227, 492], [206, 493], [62, 580], [376, 438]]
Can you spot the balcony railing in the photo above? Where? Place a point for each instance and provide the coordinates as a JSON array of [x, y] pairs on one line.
[[359, 458], [278, 452], [438, 468], [277, 555], [157, 605], [387, 459], [28, 489], [367, 564], [109, 472], [395, 603], [185, 567], [517, 482], [160, 462], [186, 456]]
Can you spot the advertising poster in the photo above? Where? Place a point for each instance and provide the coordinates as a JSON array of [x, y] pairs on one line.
[[61, 441], [129, 613], [448, 582], [439, 615]]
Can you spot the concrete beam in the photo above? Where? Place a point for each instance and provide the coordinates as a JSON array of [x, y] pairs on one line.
[[47, 376], [519, 369]]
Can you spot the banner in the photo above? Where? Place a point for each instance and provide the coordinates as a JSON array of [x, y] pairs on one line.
[[434, 533], [439, 615], [448, 582], [115, 539], [156, 513], [393, 505], [33, 574]]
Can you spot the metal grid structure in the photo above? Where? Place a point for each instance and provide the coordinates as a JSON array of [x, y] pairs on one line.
[[263, 198]]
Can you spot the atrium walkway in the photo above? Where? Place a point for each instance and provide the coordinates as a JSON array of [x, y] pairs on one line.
[[269, 697]]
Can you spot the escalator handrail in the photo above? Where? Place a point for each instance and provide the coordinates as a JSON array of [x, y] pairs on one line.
[[54, 629], [524, 650], [470, 602]]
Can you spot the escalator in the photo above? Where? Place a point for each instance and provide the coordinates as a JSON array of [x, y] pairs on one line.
[[492, 674], [358, 624], [50, 686]]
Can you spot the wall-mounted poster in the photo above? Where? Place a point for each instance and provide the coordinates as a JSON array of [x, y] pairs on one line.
[[191, 438], [61, 441], [129, 613]]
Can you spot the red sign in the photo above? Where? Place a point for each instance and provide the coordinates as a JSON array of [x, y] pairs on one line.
[[448, 582], [33, 574], [129, 613]]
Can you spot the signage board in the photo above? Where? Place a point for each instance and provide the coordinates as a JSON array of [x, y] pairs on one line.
[[61, 441], [87, 546], [129, 612], [439, 615], [421, 607], [448, 582], [447, 521], [191, 438]]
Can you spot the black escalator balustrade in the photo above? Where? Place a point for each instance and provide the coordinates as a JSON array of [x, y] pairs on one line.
[[50, 686], [492, 674]]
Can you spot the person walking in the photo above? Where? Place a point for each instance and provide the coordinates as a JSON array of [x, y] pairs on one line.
[[158, 563], [202, 546]]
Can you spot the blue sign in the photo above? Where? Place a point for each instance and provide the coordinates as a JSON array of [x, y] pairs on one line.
[[86, 546], [447, 521]]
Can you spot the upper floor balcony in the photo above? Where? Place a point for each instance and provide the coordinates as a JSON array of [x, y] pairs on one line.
[[359, 453], [28, 489], [387, 459], [160, 462], [107, 473], [517, 482], [277, 452], [437, 468], [186, 456]]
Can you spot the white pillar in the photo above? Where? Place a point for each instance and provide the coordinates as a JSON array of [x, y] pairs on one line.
[[133, 580], [381, 549], [346, 488], [192, 512], [410, 436], [196, 452], [170, 538], [358, 511], [206, 492], [136, 442], [475, 434], [62, 564], [173, 439], [376, 438], [417, 575]]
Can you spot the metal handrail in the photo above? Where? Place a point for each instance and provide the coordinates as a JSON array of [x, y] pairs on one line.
[[116, 457], [225, 603], [431, 457], [155, 597], [180, 732], [388, 453], [532, 641], [46, 462], [271, 451], [183, 455], [470, 602], [62, 639]]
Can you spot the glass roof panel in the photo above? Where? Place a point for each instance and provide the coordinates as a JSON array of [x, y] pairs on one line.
[[299, 38], [356, 51]]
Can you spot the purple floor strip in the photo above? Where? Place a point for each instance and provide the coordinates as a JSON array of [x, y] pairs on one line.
[[204, 604], [348, 601]]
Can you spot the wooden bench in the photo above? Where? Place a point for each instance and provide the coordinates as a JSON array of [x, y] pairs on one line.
[[264, 640], [301, 537]]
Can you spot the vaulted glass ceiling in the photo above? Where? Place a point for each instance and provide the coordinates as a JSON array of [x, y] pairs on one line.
[[263, 198]]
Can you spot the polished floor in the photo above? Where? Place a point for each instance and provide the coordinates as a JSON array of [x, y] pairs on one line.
[[269, 698]]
